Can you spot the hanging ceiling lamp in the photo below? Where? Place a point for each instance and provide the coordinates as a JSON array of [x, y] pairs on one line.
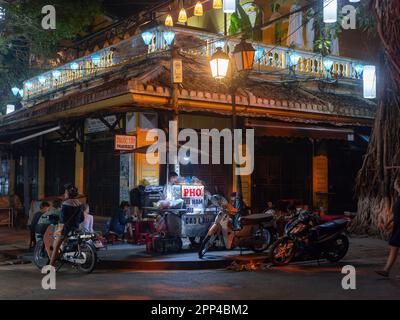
[[198, 9], [168, 21], [217, 4], [229, 6], [330, 11], [182, 18]]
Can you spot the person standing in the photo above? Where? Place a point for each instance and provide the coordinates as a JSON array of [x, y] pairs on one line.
[[394, 241]]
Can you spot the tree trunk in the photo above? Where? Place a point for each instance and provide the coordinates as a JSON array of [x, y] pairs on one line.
[[381, 165]]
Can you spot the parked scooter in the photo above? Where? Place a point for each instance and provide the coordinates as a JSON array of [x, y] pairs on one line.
[[306, 239], [257, 231], [78, 249]]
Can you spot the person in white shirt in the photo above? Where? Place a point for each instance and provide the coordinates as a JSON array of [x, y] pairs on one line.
[[87, 224]]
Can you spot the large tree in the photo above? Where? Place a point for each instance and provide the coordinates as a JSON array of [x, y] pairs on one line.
[[382, 162], [25, 47]]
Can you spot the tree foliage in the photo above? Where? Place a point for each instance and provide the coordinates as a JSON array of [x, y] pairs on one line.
[[23, 41]]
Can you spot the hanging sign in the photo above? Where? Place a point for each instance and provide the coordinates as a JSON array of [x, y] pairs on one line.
[[194, 198], [177, 67], [124, 142]]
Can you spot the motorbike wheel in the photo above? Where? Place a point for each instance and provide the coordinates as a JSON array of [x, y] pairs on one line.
[[40, 257], [282, 252], [91, 258], [339, 249], [266, 235], [205, 245]]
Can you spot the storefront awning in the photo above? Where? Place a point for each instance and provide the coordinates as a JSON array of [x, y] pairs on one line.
[[290, 130]]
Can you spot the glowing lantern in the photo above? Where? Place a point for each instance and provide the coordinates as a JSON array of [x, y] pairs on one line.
[[244, 56], [147, 37], [328, 65], [15, 91], [359, 69], [219, 64], [217, 4], [74, 66], [56, 74], [330, 11], [168, 21], [229, 6], [182, 18], [96, 59], [28, 85], [294, 59], [198, 9], [42, 80], [21, 93], [169, 37], [259, 54], [369, 82]]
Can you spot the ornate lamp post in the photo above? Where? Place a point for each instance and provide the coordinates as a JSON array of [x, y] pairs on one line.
[[220, 63]]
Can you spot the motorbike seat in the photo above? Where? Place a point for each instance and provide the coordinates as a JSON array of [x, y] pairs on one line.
[[256, 218], [331, 226]]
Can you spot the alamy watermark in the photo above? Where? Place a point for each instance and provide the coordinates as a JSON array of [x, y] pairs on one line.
[[49, 20], [49, 280], [349, 280], [238, 146]]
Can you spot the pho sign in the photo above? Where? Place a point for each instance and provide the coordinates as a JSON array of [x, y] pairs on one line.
[[124, 142]]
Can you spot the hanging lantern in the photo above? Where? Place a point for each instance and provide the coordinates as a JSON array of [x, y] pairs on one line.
[[56, 74], [15, 91], [168, 21], [169, 37], [369, 82], [359, 69], [21, 93], [42, 80], [217, 4], [182, 18], [96, 59], [259, 54], [219, 64], [328, 65], [147, 37], [198, 9], [294, 59], [74, 66], [229, 6], [330, 11], [28, 85], [244, 56]]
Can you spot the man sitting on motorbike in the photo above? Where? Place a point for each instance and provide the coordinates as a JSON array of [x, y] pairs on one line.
[[70, 219]]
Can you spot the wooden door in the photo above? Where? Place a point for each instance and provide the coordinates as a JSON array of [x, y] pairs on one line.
[[102, 177]]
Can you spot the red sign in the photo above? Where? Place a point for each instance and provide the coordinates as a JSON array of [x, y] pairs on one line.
[[192, 191], [124, 142]]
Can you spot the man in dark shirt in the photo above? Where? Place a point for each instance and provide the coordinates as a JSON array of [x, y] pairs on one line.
[[121, 220], [44, 207], [394, 225]]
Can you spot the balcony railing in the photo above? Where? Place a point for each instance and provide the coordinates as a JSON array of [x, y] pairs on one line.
[[267, 56]]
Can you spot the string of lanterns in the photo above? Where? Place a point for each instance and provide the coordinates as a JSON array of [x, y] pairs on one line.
[[228, 6]]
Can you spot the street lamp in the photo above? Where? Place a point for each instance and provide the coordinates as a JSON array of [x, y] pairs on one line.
[[243, 55]]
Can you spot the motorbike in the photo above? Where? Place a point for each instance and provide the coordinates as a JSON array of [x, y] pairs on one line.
[[306, 239], [78, 249], [257, 231]]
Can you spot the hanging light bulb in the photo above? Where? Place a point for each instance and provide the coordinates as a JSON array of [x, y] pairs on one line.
[[217, 4], [328, 65], [15, 91], [229, 6], [147, 37], [182, 18], [168, 21], [330, 11], [198, 9], [369, 82]]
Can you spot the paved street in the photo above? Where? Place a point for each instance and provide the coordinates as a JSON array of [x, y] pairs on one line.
[[300, 281]]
